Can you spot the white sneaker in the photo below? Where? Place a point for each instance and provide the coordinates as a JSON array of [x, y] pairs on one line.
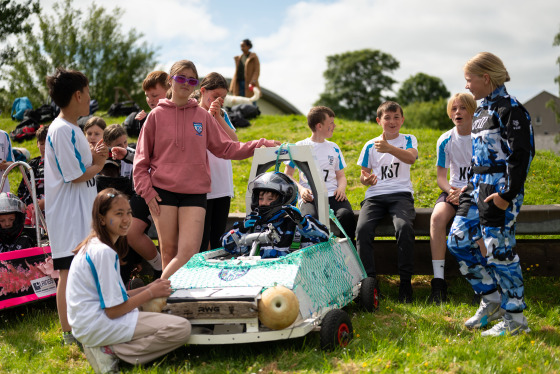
[[102, 359], [487, 312], [508, 326]]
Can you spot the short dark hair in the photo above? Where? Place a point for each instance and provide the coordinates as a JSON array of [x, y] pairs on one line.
[[248, 43], [41, 133], [64, 83], [154, 78], [317, 115], [389, 106]]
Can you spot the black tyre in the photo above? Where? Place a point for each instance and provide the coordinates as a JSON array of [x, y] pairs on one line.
[[336, 330], [369, 294]]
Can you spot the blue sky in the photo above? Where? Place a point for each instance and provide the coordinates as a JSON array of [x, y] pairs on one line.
[[292, 38]]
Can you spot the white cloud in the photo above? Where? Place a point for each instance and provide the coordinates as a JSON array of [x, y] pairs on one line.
[[435, 37]]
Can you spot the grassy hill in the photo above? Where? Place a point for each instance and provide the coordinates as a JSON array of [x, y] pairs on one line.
[[542, 187]]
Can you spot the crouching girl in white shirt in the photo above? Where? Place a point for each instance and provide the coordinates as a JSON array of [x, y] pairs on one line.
[[103, 315]]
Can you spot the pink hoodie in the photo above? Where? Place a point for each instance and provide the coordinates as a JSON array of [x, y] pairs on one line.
[[171, 151]]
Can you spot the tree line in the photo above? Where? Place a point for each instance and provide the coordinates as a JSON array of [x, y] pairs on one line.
[[94, 43]]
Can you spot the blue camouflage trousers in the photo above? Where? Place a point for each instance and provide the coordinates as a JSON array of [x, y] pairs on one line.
[[476, 219]]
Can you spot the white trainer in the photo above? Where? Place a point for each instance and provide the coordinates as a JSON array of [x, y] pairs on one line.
[[102, 359], [508, 326], [487, 312]]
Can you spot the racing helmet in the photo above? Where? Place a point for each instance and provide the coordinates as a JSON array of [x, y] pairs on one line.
[[276, 182], [10, 203]]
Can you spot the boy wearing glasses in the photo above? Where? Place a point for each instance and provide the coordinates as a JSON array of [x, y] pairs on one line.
[[331, 164]]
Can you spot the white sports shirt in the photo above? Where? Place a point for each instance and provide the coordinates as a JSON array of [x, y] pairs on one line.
[[393, 175], [67, 205], [221, 173], [454, 152]]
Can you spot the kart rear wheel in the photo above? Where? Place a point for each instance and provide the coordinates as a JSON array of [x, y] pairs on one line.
[[336, 330], [369, 294]]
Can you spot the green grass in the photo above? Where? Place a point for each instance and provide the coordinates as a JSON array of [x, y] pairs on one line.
[[397, 338]]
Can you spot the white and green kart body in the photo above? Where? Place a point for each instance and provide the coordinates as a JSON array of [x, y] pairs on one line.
[[220, 294]]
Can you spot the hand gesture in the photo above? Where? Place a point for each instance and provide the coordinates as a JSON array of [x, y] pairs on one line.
[[368, 179], [216, 107], [153, 205], [100, 153], [160, 288], [340, 194], [141, 115], [307, 195], [453, 195], [118, 153], [4, 165], [381, 145]]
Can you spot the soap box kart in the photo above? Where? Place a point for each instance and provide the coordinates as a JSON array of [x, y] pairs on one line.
[[27, 275], [247, 299]]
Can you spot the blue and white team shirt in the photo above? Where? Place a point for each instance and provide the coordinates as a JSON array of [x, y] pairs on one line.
[[221, 173], [329, 160], [94, 284], [67, 205], [6, 154], [393, 175], [454, 152]]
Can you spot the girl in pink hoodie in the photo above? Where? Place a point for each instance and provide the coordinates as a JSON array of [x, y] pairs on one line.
[[171, 169]]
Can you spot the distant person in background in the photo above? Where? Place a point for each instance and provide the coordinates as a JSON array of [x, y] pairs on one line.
[[38, 166], [155, 87], [6, 157], [247, 71]]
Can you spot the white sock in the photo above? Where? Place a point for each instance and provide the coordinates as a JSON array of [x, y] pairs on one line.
[[494, 297], [156, 262], [439, 268]]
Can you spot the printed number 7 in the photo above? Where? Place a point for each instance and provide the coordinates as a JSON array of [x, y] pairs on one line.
[[326, 174]]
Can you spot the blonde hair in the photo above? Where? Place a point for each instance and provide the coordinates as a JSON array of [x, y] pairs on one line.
[[466, 99], [488, 63]]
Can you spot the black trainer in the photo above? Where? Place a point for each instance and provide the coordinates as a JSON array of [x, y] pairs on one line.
[[405, 292], [439, 291]]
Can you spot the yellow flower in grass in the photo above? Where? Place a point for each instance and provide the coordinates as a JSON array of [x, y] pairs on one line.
[[518, 369]]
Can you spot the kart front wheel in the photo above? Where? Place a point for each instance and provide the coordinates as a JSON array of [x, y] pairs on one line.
[[336, 330], [369, 294]]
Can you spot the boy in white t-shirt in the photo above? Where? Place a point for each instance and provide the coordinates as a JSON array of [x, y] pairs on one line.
[[70, 168], [454, 153], [386, 162], [331, 164]]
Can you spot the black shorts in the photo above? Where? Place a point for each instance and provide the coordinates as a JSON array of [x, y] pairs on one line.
[[62, 263], [140, 209], [181, 199], [441, 199]]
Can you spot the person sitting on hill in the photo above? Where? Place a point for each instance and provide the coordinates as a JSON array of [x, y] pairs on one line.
[[274, 196], [12, 217]]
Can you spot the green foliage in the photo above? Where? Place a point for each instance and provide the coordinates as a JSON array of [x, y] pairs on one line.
[[12, 22], [398, 338], [430, 114], [421, 88], [355, 82], [542, 186], [93, 44]]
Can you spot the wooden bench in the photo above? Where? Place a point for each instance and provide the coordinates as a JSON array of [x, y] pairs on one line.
[[538, 255]]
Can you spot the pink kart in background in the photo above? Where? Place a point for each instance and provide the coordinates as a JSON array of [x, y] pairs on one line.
[[27, 275]]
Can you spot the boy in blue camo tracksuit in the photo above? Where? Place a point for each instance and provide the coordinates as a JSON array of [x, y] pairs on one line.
[[503, 148]]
